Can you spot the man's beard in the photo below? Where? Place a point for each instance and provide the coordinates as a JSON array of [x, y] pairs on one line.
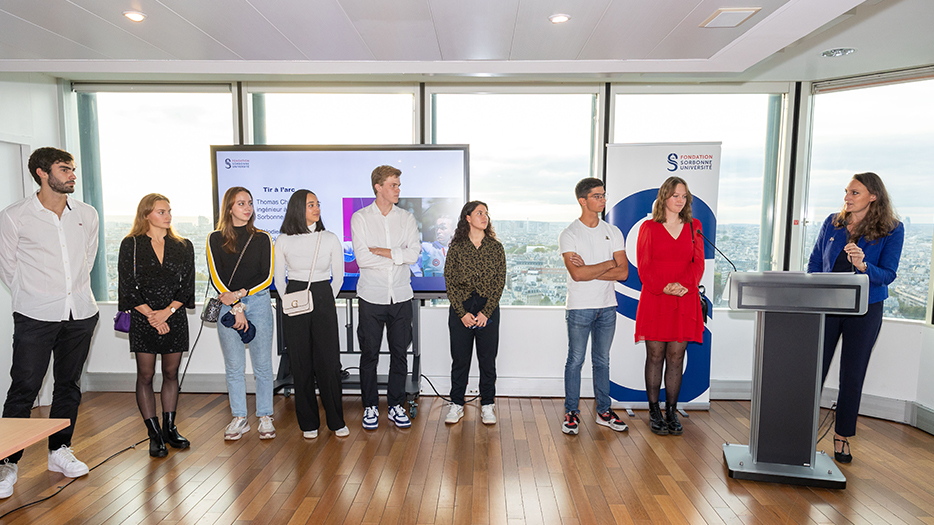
[[60, 187]]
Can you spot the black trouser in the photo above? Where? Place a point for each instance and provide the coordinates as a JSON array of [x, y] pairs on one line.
[[397, 318], [462, 341], [859, 336], [34, 344], [314, 355]]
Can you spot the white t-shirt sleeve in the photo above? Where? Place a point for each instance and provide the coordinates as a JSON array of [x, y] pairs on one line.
[[567, 241]]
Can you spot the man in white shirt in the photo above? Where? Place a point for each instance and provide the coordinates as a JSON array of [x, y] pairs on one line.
[[594, 253], [385, 243], [48, 242]]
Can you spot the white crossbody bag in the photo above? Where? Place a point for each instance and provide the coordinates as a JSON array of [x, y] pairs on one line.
[[300, 302]]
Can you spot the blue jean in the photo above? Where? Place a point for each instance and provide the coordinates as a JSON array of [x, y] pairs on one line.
[[259, 312], [600, 325]]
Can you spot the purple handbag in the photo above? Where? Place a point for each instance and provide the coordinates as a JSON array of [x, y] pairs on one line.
[[122, 322], [122, 319]]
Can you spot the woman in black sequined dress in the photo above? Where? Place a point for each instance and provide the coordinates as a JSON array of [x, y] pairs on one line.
[[156, 271]]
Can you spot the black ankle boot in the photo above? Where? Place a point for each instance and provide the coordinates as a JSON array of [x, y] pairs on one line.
[[671, 417], [156, 444], [170, 433], [659, 426]]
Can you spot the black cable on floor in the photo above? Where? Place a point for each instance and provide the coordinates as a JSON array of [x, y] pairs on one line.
[[63, 487], [423, 376], [833, 419]]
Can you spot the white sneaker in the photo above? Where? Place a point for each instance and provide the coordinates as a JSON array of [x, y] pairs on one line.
[[63, 460], [238, 427], [370, 418], [342, 432], [398, 416], [455, 414], [265, 428], [488, 415], [310, 434], [8, 473]]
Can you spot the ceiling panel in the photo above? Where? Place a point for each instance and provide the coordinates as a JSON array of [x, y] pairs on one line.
[[82, 27], [239, 27], [395, 30], [475, 30], [319, 28], [162, 28], [538, 39], [18, 33], [631, 30], [689, 40]]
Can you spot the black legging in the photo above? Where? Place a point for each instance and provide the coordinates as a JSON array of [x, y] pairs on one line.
[[671, 356], [145, 369]]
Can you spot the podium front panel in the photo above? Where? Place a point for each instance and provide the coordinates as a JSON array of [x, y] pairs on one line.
[[836, 293]]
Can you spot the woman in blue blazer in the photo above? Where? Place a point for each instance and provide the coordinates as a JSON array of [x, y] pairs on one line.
[[864, 237]]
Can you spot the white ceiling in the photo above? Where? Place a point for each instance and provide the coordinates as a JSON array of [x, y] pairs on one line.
[[658, 40]]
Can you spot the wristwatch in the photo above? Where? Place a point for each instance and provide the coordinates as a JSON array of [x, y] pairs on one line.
[[172, 309]]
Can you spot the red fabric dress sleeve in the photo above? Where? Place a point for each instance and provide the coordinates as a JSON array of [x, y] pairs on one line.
[[652, 282]]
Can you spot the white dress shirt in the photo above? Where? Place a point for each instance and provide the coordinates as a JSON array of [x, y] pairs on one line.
[[384, 280], [294, 254], [46, 260]]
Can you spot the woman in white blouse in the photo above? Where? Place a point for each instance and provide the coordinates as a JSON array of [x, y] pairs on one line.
[[311, 338]]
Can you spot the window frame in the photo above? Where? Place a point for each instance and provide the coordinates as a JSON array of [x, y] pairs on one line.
[[779, 194]]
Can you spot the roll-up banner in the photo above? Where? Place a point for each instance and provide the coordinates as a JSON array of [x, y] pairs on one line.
[[634, 172]]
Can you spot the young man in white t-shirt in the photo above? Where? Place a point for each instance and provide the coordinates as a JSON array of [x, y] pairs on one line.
[[594, 253]]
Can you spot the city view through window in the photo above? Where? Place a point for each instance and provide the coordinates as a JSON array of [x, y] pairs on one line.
[[527, 153]]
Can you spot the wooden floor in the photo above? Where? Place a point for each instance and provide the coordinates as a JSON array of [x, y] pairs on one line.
[[522, 470]]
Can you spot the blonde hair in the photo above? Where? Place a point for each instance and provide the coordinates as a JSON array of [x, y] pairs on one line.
[[141, 221], [664, 193]]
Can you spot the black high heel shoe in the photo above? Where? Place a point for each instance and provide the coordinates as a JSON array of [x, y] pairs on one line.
[[844, 455]]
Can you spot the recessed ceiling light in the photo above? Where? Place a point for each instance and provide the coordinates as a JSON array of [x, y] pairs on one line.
[[838, 52], [729, 16], [559, 18], [135, 16]]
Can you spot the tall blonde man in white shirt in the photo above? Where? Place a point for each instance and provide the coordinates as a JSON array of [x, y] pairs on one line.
[[48, 242], [385, 243]]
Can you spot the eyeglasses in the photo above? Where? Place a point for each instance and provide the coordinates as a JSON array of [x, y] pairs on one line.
[[598, 196]]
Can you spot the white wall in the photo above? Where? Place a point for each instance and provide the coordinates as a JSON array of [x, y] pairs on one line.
[[29, 114]]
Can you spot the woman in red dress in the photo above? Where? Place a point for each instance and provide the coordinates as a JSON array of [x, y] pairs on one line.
[[671, 264]]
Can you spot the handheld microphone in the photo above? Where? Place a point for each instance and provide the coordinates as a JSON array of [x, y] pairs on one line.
[[718, 250]]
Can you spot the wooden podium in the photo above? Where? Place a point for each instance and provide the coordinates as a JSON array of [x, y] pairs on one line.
[[786, 378]]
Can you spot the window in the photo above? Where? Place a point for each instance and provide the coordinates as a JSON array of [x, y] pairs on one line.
[[153, 143], [747, 125], [527, 151], [886, 130], [333, 118]]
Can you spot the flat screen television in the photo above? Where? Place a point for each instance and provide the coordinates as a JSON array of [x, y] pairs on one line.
[[434, 188]]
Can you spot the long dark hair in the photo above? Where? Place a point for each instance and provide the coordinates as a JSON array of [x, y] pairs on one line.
[[225, 223], [664, 193], [463, 227], [294, 222], [880, 218]]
